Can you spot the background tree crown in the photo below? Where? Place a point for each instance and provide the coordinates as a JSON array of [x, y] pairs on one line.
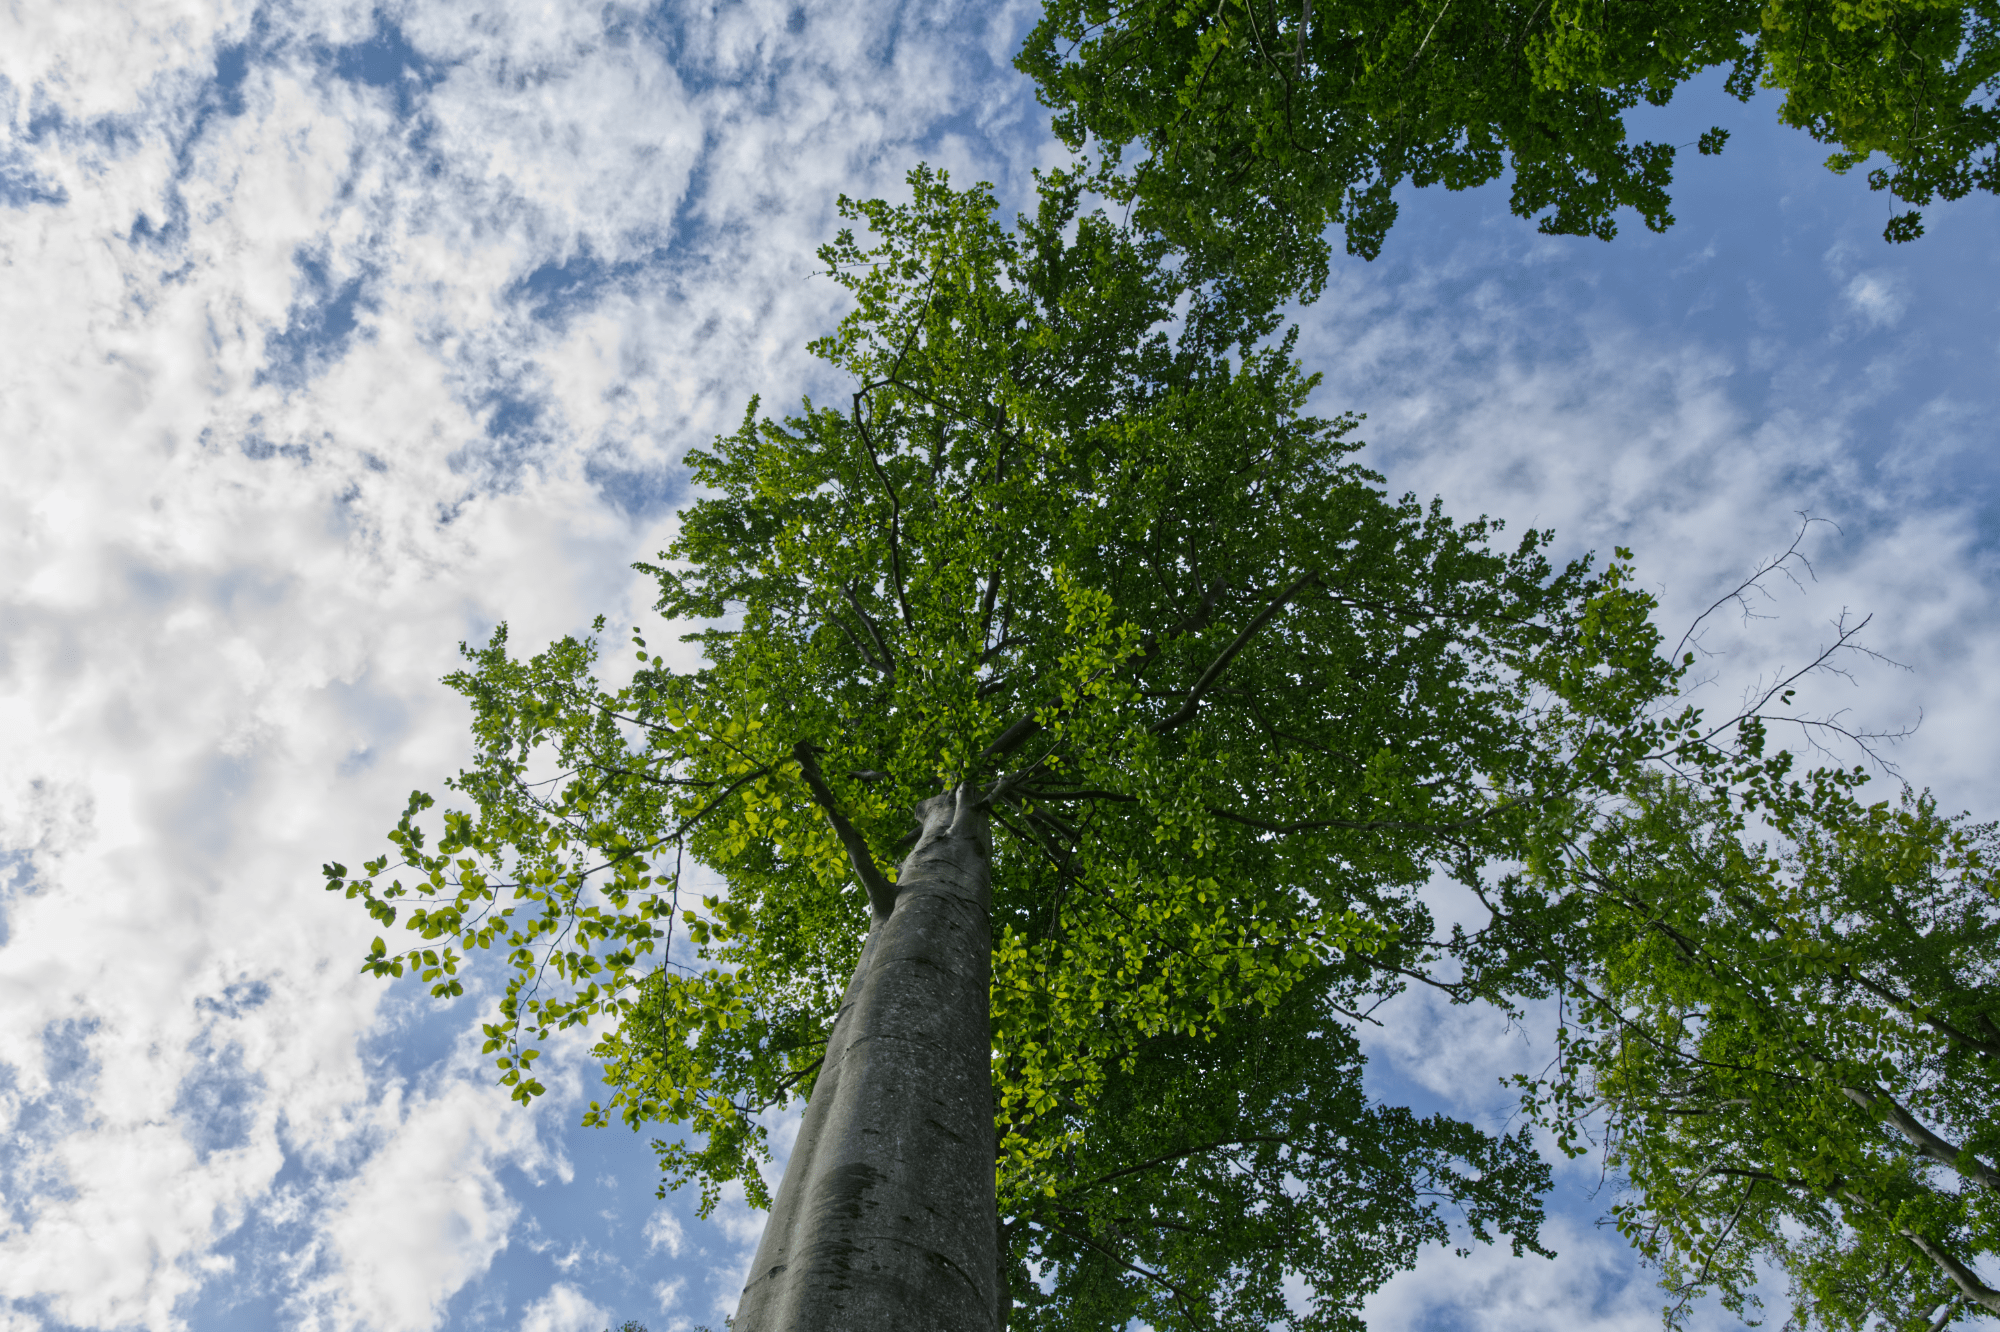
[[1252, 127]]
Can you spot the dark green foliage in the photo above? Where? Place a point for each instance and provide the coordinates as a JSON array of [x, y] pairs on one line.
[[1250, 126], [1222, 1167]]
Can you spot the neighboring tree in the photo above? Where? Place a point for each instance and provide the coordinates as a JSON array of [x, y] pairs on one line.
[[1259, 123], [1185, 711], [1785, 1022]]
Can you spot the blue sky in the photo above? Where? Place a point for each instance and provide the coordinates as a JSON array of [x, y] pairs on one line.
[[335, 334]]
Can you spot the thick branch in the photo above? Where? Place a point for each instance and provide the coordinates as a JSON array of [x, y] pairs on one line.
[[1028, 835], [1003, 787], [1935, 1023], [1171, 1157], [881, 893], [1150, 644], [1063, 826], [1963, 1277], [1221, 663], [1182, 1295], [1930, 1144], [883, 661], [895, 510], [986, 601], [1025, 727], [1012, 738], [999, 647], [860, 649]]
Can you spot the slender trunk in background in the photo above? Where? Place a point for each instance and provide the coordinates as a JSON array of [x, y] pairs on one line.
[[886, 1218]]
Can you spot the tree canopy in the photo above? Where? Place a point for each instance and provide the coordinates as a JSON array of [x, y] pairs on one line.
[[1074, 546], [1251, 126]]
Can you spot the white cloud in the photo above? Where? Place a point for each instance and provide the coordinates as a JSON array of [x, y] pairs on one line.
[[1592, 1288], [105, 60], [740, 1228], [1699, 461], [564, 1309], [663, 1231], [230, 594], [426, 1213], [1457, 1053], [1876, 298]]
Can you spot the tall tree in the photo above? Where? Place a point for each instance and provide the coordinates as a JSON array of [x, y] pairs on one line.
[[1784, 1029], [1185, 712], [1252, 125]]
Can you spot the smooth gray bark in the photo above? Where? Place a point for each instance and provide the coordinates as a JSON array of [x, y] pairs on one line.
[[885, 1220]]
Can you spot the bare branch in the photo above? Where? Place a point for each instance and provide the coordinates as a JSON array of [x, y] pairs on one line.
[[1777, 563], [1843, 641], [1782, 691]]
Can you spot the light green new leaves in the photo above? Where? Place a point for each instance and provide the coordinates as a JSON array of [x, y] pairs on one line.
[[1795, 1043]]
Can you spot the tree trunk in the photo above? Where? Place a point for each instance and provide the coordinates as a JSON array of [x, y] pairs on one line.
[[885, 1221]]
